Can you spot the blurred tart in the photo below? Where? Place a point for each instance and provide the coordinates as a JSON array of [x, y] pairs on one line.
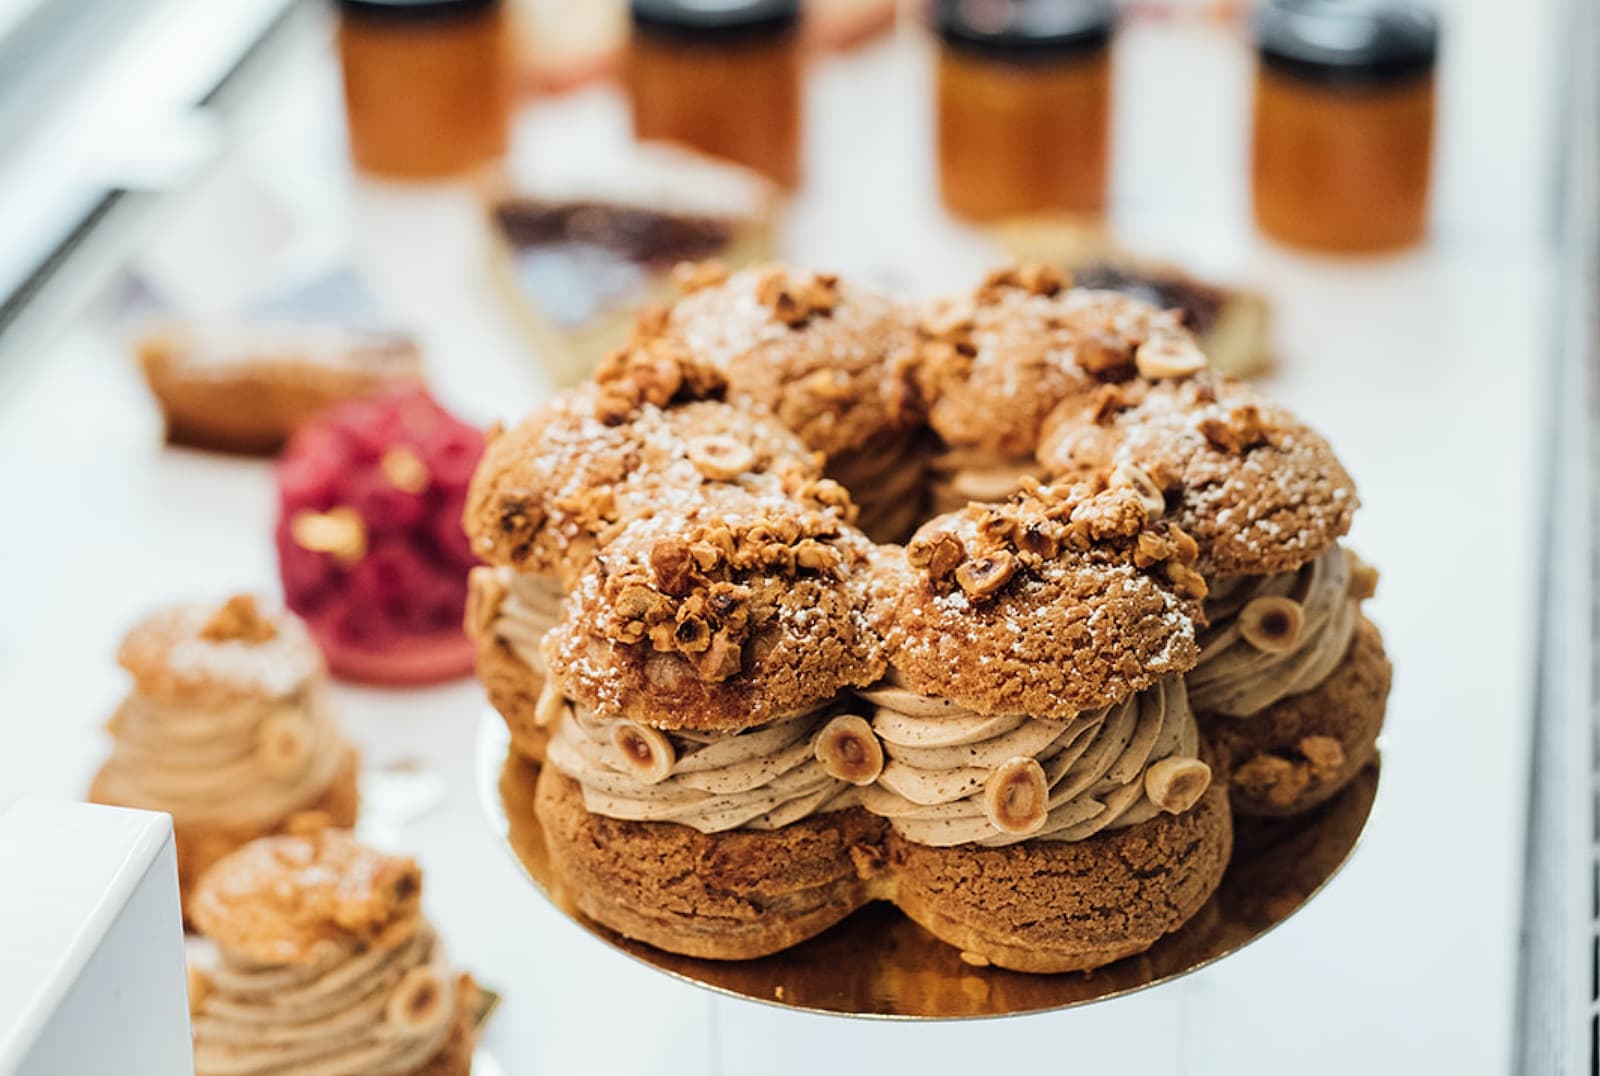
[[227, 728], [324, 963], [246, 388], [370, 546], [577, 257]]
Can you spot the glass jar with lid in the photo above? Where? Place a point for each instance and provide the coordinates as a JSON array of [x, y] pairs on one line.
[[427, 85], [1343, 123], [1024, 105], [720, 76]]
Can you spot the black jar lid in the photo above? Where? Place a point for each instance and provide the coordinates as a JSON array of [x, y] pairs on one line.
[[1347, 42], [1025, 29], [415, 10], [717, 21]]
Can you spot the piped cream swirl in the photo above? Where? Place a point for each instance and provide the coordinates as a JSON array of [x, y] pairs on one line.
[[764, 778], [530, 608], [959, 476], [382, 1010], [941, 757], [249, 763], [1237, 678], [887, 478]]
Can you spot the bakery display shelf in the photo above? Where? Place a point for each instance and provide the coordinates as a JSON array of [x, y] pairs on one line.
[[879, 964]]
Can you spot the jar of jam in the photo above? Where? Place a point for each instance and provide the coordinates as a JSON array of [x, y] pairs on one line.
[[427, 85], [1343, 139], [721, 76], [1024, 100]]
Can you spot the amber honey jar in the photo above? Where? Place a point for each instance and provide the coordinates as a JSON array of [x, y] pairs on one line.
[[1344, 109], [721, 76], [1024, 105], [427, 85]]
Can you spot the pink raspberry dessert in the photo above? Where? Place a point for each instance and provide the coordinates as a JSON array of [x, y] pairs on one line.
[[370, 545]]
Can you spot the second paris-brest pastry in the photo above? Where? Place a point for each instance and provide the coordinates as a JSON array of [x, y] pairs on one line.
[[828, 359], [649, 432], [1292, 680], [324, 965], [995, 364], [227, 729]]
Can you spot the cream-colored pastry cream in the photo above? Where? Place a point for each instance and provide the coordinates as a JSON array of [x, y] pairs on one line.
[[886, 478], [1243, 669], [959, 476], [249, 763], [763, 778], [1103, 769], [531, 607], [379, 1009]]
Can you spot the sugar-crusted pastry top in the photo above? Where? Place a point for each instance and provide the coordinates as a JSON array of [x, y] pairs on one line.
[[829, 359], [205, 655], [1258, 490], [282, 900], [1053, 602], [994, 364], [724, 615], [645, 435]]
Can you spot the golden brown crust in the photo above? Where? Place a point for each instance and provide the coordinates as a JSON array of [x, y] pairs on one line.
[[994, 365], [279, 898], [246, 393], [722, 618], [213, 655], [1055, 906], [829, 359], [1259, 490], [199, 847], [1301, 750], [721, 896], [1055, 602], [550, 491], [513, 689]]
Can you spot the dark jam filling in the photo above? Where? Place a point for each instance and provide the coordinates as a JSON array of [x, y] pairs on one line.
[[578, 259], [1200, 303]]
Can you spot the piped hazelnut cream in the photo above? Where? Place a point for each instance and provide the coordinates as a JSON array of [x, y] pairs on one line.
[[885, 477], [530, 608], [1272, 636], [765, 778], [959, 476], [954, 776], [382, 1008], [248, 742]]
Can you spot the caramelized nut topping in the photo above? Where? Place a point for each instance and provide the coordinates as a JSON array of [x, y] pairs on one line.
[[1176, 784], [1127, 476], [1272, 623], [1169, 354], [1016, 798], [720, 457], [239, 620], [849, 750], [1240, 431], [983, 576], [647, 752], [1325, 755], [795, 298], [1363, 578]]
